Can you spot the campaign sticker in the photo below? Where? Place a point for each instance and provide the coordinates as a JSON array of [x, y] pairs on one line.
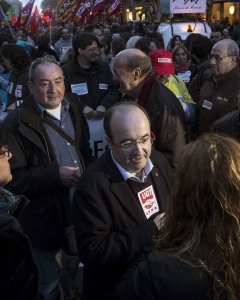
[[207, 104], [148, 201]]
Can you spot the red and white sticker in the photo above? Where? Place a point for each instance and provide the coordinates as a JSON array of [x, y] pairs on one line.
[[148, 201]]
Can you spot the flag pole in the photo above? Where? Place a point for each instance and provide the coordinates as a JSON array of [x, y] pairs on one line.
[[5, 18], [29, 19]]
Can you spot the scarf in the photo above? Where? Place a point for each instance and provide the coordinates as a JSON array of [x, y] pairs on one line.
[[7, 200], [182, 68]]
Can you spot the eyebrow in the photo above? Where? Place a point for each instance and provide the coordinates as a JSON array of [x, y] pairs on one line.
[[126, 140]]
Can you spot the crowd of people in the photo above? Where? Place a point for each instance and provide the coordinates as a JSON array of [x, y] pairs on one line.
[[157, 214]]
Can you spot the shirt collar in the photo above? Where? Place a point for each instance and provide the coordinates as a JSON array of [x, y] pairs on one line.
[[126, 175], [64, 107]]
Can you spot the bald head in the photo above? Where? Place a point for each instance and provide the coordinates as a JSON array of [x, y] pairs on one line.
[[129, 137], [224, 56], [229, 45], [131, 67], [122, 111], [130, 59]]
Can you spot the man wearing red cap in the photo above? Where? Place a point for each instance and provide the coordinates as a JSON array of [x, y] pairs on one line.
[[133, 70]]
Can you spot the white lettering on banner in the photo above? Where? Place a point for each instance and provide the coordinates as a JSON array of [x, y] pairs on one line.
[[79, 89], [187, 6], [148, 201], [115, 5], [98, 141]]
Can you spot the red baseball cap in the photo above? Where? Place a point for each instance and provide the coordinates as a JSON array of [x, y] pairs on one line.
[[162, 62]]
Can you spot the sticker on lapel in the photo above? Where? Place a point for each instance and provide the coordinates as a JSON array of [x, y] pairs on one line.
[[207, 104], [80, 88], [148, 201], [103, 86]]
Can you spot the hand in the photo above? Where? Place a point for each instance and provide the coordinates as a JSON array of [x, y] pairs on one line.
[[69, 176], [158, 220], [88, 112], [100, 112]]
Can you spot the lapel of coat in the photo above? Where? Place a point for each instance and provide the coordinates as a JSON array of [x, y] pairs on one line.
[[122, 191]]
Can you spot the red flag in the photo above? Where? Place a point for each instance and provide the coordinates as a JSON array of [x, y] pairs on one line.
[[83, 12], [98, 7], [25, 14], [114, 8], [47, 13], [35, 22]]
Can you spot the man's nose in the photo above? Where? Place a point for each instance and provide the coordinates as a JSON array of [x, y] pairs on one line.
[[137, 148], [52, 87]]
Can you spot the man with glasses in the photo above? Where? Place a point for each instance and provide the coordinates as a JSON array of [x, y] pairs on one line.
[[133, 70], [90, 78], [120, 200], [221, 92]]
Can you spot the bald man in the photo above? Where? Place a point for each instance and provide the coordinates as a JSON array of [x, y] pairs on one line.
[[120, 200], [133, 70], [221, 92]]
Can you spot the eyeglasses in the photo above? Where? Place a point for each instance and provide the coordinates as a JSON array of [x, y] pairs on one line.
[[218, 58], [128, 145], [4, 152]]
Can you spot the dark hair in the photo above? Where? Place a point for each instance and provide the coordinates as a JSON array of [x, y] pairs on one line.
[[117, 46], [90, 28], [173, 39], [4, 37], [45, 60], [202, 223], [43, 41], [143, 44], [82, 41], [123, 107], [201, 47], [17, 55]]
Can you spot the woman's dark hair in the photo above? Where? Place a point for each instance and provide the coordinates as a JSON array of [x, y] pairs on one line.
[[17, 55], [173, 40], [202, 223]]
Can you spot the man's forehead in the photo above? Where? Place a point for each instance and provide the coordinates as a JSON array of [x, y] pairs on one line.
[[48, 70], [219, 49]]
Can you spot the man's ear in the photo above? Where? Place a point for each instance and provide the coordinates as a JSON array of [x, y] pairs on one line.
[[137, 73]]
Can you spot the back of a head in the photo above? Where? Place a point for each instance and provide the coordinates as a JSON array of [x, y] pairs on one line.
[[143, 44], [130, 59], [132, 41], [17, 55], [202, 222], [201, 47]]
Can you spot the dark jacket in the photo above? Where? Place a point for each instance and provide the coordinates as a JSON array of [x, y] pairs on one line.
[[168, 120], [218, 97], [229, 125], [101, 90], [163, 276], [110, 225], [18, 275], [17, 86], [36, 173], [201, 73]]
